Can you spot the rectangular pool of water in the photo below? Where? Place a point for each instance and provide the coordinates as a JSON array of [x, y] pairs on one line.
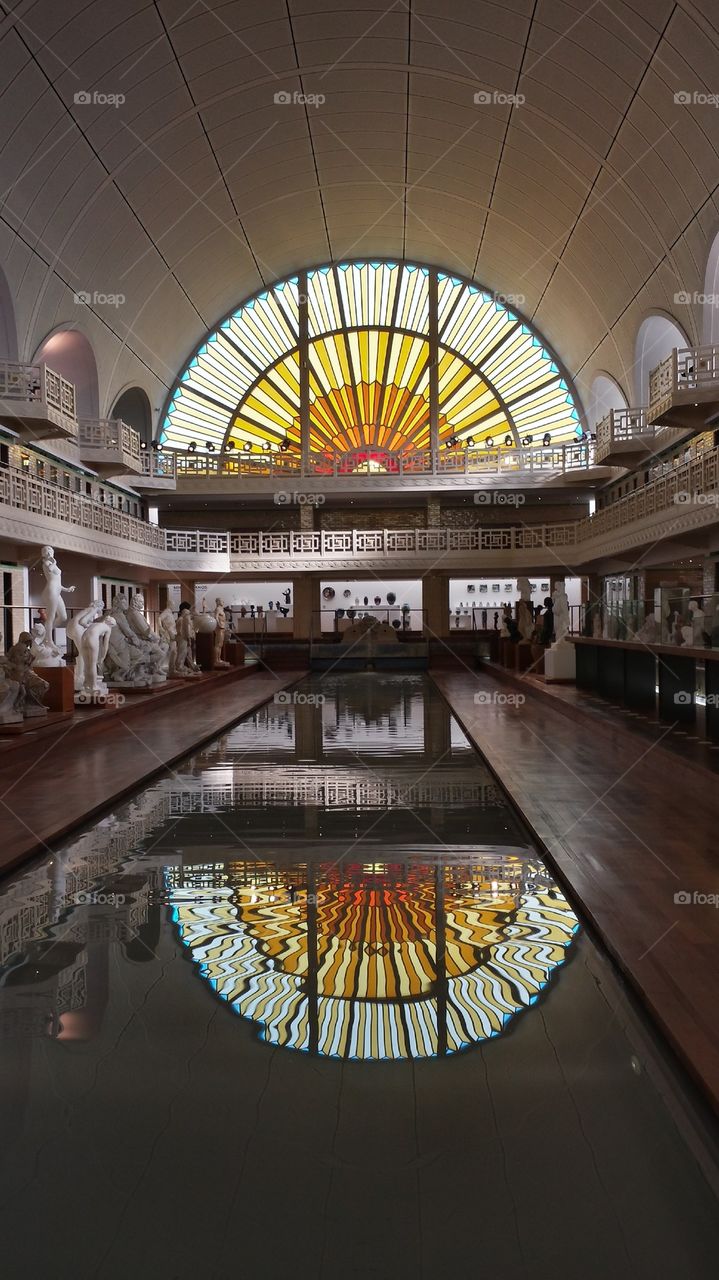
[[313, 1003]]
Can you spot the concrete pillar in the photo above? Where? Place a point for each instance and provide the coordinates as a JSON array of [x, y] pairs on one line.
[[305, 603], [434, 514], [435, 602]]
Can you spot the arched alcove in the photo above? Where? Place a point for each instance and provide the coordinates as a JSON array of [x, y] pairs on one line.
[[8, 332], [604, 394], [70, 354], [657, 337], [710, 302], [134, 408]]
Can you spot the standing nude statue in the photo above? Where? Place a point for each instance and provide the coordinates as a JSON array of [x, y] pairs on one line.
[[167, 626], [76, 628], [220, 633], [51, 599]]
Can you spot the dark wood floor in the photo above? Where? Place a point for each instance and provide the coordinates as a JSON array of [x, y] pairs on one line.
[[52, 785], [627, 826]]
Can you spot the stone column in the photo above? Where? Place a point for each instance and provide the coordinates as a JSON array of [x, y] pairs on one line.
[[305, 603], [435, 602], [434, 514], [307, 517]]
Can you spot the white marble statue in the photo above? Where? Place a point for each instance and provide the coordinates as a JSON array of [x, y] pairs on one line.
[[167, 628], [76, 627], [649, 632], [127, 660], [51, 599], [10, 712], [185, 664], [17, 669], [157, 648], [696, 614], [94, 647], [220, 634], [44, 654], [560, 604], [525, 612]]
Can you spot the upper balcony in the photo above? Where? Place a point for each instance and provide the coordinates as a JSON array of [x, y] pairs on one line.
[[684, 389], [504, 466], [37, 401], [624, 437], [109, 446]]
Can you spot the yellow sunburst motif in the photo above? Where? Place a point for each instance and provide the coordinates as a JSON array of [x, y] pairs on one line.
[[367, 353]]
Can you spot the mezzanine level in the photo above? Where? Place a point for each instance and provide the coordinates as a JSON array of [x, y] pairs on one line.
[[681, 502], [684, 389]]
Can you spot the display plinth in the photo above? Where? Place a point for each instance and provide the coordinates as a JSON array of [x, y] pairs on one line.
[[538, 652], [560, 662], [523, 655], [234, 653], [205, 650], [60, 696]]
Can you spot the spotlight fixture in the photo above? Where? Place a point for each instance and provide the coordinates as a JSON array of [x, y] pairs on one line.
[[192, 446], [489, 442], [209, 446], [527, 441], [470, 442], [284, 446], [546, 439], [155, 445], [508, 441], [143, 444], [230, 445], [247, 447]]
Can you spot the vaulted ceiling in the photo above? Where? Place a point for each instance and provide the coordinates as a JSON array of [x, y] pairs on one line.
[[580, 183]]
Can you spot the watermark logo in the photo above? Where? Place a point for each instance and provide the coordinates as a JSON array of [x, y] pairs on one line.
[[685, 898], [689, 98], [293, 698], [511, 299], [686, 499], [495, 98], [683, 698], [498, 498], [86, 98], [292, 498], [499, 699], [283, 98], [87, 298], [90, 898], [686, 299]]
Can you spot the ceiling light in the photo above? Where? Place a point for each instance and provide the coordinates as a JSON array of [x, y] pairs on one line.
[[489, 442], [546, 439], [192, 446], [508, 441]]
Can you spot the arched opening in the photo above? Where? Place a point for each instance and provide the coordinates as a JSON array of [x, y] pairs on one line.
[[8, 332], [604, 395], [133, 407], [710, 301], [657, 337], [70, 354]]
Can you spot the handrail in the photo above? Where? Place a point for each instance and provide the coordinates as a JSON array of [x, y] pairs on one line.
[[35, 384], [512, 459]]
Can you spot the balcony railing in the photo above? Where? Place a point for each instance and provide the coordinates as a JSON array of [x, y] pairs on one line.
[[623, 431], [27, 493], [109, 443], [688, 379], [232, 464], [158, 464], [32, 392], [325, 544]]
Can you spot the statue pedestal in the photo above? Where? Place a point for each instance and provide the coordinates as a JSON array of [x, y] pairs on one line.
[[523, 655], [506, 652], [234, 652], [61, 694], [560, 662], [538, 652], [205, 649]]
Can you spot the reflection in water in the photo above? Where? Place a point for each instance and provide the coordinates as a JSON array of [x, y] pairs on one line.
[[375, 962]]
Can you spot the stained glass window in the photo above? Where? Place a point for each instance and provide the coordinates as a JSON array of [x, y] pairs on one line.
[[376, 359]]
